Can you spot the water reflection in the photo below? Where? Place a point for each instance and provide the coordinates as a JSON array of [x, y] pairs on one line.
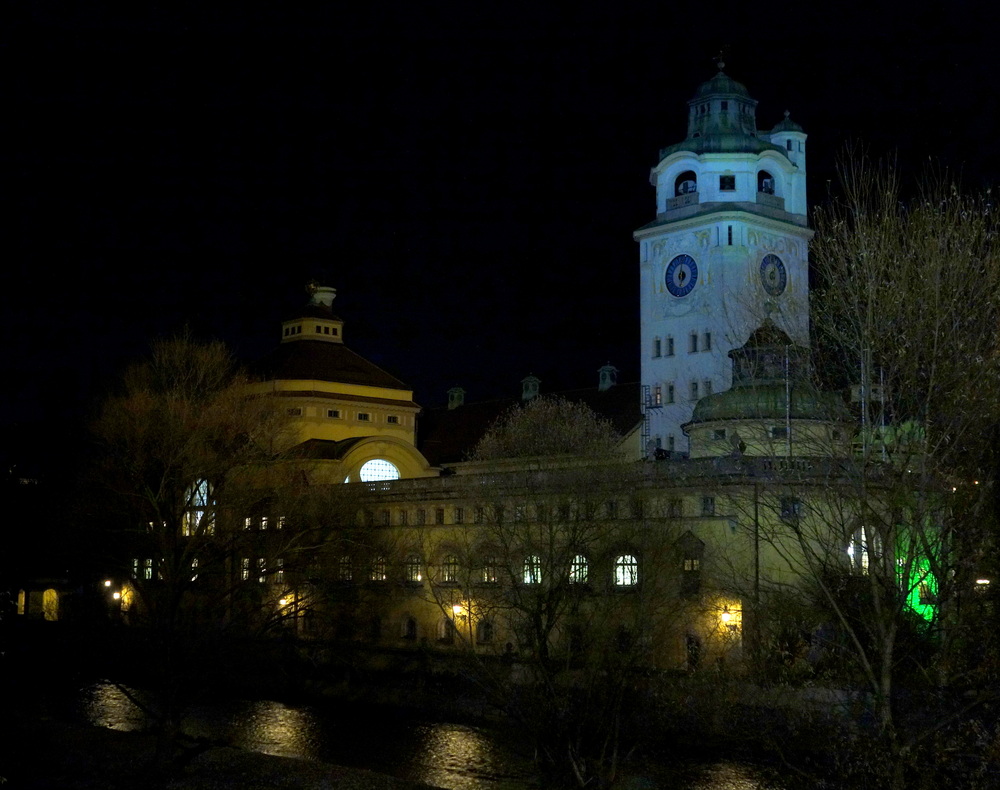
[[448, 756], [107, 705]]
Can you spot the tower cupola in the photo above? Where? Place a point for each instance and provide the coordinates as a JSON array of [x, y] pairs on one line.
[[316, 321]]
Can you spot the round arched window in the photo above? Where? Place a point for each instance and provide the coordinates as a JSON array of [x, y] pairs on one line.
[[378, 469]]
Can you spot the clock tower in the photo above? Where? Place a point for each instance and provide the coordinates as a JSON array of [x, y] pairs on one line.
[[727, 250]]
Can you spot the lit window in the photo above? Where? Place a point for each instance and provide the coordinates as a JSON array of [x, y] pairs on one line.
[[263, 522], [261, 571], [281, 522], [147, 568], [364, 416], [412, 568], [626, 570], [532, 569], [378, 469], [199, 518], [245, 568], [657, 395], [490, 574], [692, 564], [378, 570], [279, 571], [194, 569], [449, 569], [578, 570]]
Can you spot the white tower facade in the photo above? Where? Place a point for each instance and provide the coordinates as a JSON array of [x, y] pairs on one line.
[[728, 248]]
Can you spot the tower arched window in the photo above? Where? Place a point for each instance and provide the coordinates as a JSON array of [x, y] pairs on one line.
[[765, 182], [686, 183]]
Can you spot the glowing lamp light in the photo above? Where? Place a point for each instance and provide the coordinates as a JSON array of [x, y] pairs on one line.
[[282, 602], [117, 596], [983, 582], [457, 609], [726, 615], [107, 582]]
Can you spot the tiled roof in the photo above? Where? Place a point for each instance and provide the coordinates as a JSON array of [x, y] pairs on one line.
[[324, 361]]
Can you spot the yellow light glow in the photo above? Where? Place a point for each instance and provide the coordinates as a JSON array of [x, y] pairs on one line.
[[282, 602], [982, 581], [725, 616], [107, 582], [117, 596], [457, 609]]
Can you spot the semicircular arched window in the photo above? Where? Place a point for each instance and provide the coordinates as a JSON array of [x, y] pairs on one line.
[[378, 469]]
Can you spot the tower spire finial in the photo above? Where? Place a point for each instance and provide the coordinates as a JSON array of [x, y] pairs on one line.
[[720, 59]]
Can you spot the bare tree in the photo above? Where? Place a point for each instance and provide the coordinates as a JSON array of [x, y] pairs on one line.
[[550, 585], [889, 534], [201, 512]]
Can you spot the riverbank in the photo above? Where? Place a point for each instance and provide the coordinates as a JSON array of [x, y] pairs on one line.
[[50, 755]]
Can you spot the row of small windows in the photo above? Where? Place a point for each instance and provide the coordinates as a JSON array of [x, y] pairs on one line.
[[667, 393], [665, 347], [421, 517], [625, 570], [256, 568], [320, 329], [337, 414], [687, 182]]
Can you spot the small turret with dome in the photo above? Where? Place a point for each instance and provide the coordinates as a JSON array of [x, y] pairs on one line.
[[772, 408]]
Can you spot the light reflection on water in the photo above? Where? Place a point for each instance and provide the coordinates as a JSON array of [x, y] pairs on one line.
[[449, 756]]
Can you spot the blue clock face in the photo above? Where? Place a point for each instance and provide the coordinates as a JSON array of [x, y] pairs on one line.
[[682, 275], [773, 276]]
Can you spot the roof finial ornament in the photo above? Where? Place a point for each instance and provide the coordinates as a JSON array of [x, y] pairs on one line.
[[720, 58], [787, 113]]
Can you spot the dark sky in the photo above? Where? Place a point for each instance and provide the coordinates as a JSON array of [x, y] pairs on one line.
[[468, 177]]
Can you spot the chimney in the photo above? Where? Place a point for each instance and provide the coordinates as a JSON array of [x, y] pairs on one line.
[[529, 387], [456, 398], [608, 377]]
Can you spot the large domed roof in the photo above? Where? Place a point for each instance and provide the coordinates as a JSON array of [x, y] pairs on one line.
[[721, 85]]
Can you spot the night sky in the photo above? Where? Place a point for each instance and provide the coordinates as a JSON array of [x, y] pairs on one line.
[[467, 176]]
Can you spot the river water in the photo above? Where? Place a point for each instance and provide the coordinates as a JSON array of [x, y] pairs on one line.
[[446, 755]]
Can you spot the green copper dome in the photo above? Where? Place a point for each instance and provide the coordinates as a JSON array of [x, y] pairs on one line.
[[767, 402]]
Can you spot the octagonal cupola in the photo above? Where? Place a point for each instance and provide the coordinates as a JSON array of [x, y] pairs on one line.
[[721, 105], [316, 321]]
